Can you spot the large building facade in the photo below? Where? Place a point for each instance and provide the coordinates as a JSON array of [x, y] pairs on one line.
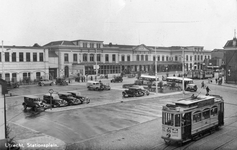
[[71, 58], [79, 57]]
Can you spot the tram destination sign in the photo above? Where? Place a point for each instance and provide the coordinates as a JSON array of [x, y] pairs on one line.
[[206, 102]]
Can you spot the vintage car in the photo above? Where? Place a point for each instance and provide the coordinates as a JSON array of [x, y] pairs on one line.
[[56, 101], [98, 86], [11, 85], [133, 92], [45, 82], [34, 102], [145, 91], [78, 95], [191, 87], [61, 81], [117, 79], [69, 98]]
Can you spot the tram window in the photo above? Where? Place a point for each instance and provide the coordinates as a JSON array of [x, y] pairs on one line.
[[214, 111], [197, 116], [206, 113], [177, 120], [168, 119]]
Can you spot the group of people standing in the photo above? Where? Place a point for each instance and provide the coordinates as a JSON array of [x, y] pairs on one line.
[[80, 79]]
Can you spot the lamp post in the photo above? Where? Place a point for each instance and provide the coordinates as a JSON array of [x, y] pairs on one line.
[[96, 69], [183, 63], [51, 92], [156, 70]]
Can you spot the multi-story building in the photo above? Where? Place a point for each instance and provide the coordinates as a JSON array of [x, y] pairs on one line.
[[71, 58], [20, 63], [231, 61]]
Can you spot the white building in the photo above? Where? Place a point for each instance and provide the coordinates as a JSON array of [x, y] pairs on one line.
[[19, 63]]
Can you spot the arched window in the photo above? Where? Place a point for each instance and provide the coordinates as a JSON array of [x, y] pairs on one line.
[[84, 57], [122, 58], [146, 57], [138, 58], [197, 116], [128, 57], [91, 57], [206, 113], [142, 57], [66, 71]]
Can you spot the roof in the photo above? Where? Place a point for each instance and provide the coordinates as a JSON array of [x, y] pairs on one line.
[[87, 40], [191, 101], [60, 43], [231, 43], [31, 96]]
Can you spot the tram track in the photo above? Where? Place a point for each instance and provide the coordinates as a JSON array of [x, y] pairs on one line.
[[210, 136]]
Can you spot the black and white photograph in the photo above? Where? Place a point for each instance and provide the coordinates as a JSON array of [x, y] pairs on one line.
[[118, 74]]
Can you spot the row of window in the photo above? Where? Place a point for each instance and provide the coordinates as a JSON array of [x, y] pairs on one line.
[[21, 57], [138, 58], [25, 75], [175, 119], [205, 114], [92, 45]]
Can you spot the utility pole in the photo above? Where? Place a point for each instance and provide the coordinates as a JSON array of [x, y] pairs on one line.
[[183, 65], [3, 73], [96, 69], [156, 70]]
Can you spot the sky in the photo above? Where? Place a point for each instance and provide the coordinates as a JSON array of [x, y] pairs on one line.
[[208, 23]]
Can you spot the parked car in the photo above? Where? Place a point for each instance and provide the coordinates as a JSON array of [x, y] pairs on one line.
[[117, 79], [69, 98], [133, 92], [98, 86], [78, 95], [56, 100], [34, 102], [11, 85], [61, 81], [191, 87], [45, 82], [145, 91]]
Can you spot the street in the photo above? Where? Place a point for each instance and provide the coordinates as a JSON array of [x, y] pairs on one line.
[[131, 124]]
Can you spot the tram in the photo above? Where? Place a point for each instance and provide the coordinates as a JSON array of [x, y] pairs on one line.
[[188, 119], [200, 74]]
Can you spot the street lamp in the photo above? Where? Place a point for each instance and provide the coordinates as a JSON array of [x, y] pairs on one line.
[[51, 92], [156, 70]]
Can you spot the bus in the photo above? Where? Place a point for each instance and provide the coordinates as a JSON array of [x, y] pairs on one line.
[[179, 81], [145, 79], [190, 118], [200, 74]]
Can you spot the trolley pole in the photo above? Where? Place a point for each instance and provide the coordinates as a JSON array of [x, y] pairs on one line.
[[183, 65], [156, 70], [96, 69]]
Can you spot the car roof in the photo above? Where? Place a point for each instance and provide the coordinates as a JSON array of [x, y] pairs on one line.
[[64, 93], [31, 96], [47, 94]]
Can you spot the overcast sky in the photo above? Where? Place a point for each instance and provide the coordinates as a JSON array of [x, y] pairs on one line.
[[208, 23]]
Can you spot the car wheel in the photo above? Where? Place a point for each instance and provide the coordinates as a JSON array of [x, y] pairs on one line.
[[25, 106], [97, 89]]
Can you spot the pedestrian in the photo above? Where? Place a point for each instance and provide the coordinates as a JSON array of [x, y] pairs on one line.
[[202, 84], [208, 90], [216, 80]]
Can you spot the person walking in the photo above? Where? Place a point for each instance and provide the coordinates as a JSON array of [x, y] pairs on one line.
[[202, 84], [208, 90], [216, 80]]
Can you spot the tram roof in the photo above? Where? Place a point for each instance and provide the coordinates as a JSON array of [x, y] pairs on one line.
[[190, 100]]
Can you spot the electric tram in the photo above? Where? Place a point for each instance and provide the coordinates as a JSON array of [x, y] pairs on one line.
[[188, 119]]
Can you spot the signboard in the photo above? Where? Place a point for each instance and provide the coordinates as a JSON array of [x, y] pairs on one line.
[[96, 66]]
